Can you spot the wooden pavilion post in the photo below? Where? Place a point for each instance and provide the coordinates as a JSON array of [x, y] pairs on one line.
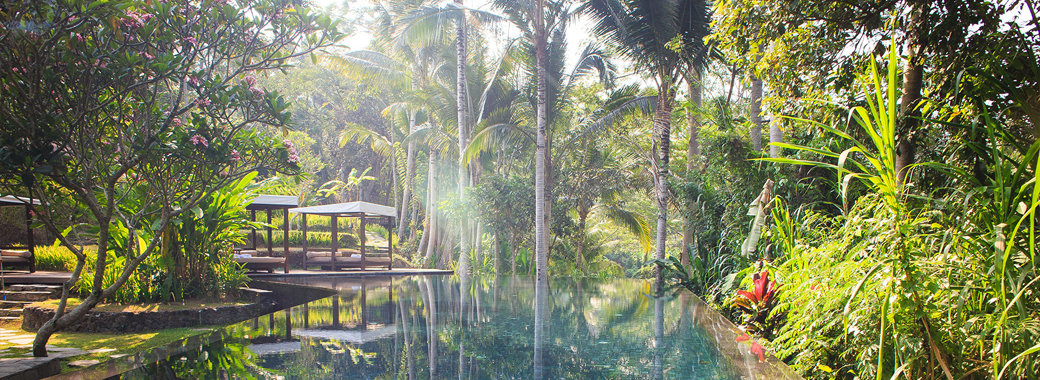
[[390, 248], [303, 220], [335, 240], [252, 218], [270, 244], [285, 240], [31, 241], [362, 238]]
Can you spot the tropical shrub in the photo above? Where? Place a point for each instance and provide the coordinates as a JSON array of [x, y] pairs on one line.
[[195, 258], [757, 305], [937, 285]]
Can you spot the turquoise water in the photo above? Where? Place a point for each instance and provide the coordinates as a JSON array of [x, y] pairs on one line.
[[498, 328]]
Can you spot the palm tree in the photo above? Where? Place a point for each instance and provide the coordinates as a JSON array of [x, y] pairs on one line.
[[662, 37], [424, 24]]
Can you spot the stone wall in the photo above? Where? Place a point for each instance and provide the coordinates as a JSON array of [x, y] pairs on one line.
[[99, 321]]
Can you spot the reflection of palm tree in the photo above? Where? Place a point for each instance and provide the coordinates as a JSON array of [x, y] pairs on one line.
[[429, 298], [658, 368], [541, 315]]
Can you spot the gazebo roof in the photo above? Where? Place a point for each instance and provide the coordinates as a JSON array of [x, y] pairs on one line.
[[11, 200], [348, 209], [266, 202]]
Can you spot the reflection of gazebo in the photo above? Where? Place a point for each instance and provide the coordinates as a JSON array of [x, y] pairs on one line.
[[21, 255], [337, 259], [374, 322], [269, 203]]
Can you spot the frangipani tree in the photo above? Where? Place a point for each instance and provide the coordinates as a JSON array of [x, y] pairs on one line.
[[134, 111]]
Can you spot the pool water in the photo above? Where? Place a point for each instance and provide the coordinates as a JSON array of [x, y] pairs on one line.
[[424, 327]]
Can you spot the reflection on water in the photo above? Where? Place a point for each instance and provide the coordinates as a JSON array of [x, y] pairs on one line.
[[426, 328]]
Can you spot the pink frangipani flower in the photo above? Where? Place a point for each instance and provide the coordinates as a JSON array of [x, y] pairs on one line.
[[198, 140]]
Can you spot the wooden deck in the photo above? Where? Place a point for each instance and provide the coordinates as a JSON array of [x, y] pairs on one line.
[[41, 277], [352, 273]]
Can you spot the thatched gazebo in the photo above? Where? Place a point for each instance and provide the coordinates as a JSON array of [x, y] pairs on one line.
[[336, 259], [16, 255], [267, 204]]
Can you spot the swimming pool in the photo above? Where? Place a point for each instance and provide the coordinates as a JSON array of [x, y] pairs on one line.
[[424, 327]]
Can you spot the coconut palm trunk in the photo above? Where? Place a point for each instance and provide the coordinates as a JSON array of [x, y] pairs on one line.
[[662, 130], [693, 153], [542, 148], [776, 135], [431, 206], [463, 124], [756, 113], [409, 181]]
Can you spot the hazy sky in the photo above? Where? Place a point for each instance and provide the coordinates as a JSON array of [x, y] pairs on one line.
[[577, 34]]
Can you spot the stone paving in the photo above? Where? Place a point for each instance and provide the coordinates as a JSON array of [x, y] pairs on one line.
[[15, 338], [25, 366]]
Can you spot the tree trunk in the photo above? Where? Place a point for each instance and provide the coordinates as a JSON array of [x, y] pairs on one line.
[[541, 150], [662, 130], [693, 155], [463, 125], [913, 74], [776, 135], [498, 249], [756, 113], [693, 152], [409, 182], [431, 207]]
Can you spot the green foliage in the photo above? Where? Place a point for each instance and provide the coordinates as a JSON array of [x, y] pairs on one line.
[[195, 258], [950, 277], [507, 203]]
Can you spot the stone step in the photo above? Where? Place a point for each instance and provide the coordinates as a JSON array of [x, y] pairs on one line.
[[7, 319], [55, 290], [24, 296], [10, 313], [14, 304]]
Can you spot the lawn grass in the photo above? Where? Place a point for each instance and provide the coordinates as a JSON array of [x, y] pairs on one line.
[[121, 343]]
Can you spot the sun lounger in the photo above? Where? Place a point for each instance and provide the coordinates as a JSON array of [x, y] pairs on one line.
[[18, 258], [252, 262], [347, 258]]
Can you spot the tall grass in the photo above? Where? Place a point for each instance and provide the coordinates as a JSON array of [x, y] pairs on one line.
[[58, 258], [314, 239]]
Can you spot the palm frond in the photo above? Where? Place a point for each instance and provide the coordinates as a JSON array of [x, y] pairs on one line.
[[629, 221], [593, 59], [605, 118], [367, 62], [362, 135], [498, 134]]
